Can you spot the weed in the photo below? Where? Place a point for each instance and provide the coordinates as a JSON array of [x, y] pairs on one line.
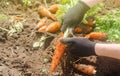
[[27, 2]]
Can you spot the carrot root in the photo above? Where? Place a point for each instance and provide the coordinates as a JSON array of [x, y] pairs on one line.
[[58, 53], [87, 69], [96, 36], [53, 27]]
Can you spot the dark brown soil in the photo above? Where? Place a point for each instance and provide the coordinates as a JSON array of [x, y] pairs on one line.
[[19, 58]]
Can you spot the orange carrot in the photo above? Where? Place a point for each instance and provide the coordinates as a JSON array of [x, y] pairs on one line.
[[53, 27], [97, 35], [42, 29], [54, 8], [87, 69], [88, 29], [44, 12], [58, 53], [91, 22], [41, 23], [78, 30], [18, 18]]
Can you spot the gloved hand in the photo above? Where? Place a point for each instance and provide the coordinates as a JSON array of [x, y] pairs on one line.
[[74, 15], [79, 46]]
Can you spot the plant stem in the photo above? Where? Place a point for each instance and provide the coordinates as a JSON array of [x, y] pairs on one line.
[[46, 4], [66, 33], [4, 29]]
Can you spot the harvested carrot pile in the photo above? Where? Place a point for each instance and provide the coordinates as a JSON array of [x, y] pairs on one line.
[[45, 13]]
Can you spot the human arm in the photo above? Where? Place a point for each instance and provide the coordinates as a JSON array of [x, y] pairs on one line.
[[92, 3], [109, 50], [84, 47]]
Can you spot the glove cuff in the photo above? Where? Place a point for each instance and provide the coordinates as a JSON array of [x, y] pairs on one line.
[[92, 49], [83, 6]]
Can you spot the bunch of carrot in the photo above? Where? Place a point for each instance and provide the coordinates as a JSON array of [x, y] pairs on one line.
[[52, 27], [48, 13]]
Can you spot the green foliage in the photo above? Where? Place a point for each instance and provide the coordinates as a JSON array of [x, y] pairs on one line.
[[27, 2], [109, 23], [93, 11], [3, 16], [63, 1]]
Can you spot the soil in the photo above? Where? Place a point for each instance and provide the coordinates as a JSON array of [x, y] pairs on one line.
[[18, 57]]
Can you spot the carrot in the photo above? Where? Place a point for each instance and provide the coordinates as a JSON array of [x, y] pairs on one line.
[[41, 23], [58, 53], [42, 29], [87, 69], [91, 21], [77, 30], [89, 29], [96, 35], [54, 8], [45, 13], [18, 18], [53, 27]]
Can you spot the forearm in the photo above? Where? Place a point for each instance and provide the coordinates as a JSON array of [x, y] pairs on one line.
[[109, 50], [91, 3]]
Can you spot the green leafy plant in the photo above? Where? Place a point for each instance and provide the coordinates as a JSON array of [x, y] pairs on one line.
[[93, 11], [63, 1], [109, 23], [27, 2]]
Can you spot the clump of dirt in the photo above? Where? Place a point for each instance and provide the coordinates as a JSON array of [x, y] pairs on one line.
[[104, 66], [18, 57]]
